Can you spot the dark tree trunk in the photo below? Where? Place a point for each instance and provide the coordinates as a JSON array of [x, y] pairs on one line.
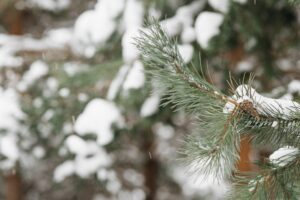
[[151, 166]]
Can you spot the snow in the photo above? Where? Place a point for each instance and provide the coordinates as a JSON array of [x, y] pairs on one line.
[[113, 186], [171, 26], [67, 128], [64, 170], [183, 18], [9, 147], [253, 183], [7, 57], [274, 124], [106, 174], [88, 165], [284, 64], [80, 147], [218, 5], [135, 194], [186, 51], [97, 118], [112, 8], [133, 20], [250, 44], [12, 44], [197, 185], [50, 5], [133, 14], [10, 111], [154, 12], [136, 77], [62, 37], [133, 177], [37, 102], [8, 60], [48, 115], [117, 82], [287, 96], [73, 68], [181, 22], [294, 87], [245, 66], [95, 27], [283, 156], [207, 26], [82, 97], [89, 159], [281, 108], [150, 106], [188, 34], [52, 84], [76, 145], [53, 39], [102, 174], [39, 152], [241, 99], [64, 92], [37, 70], [185, 14], [164, 131], [130, 52]]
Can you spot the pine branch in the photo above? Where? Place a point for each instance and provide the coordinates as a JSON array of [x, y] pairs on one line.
[[276, 180], [187, 89], [221, 120], [266, 120]]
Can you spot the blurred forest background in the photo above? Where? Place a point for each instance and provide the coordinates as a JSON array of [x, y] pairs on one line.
[[80, 120]]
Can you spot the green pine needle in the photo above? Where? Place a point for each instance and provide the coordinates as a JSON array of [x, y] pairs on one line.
[[213, 147]]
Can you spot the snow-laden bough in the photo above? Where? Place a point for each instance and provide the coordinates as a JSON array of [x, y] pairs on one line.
[[263, 106]]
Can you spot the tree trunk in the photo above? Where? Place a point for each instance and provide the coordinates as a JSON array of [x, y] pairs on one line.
[[12, 20], [244, 164], [13, 186], [150, 166]]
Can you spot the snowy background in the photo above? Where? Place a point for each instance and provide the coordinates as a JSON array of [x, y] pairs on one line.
[[80, 120]]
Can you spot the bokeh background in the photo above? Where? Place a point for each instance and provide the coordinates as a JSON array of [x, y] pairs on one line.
[[79, 119]]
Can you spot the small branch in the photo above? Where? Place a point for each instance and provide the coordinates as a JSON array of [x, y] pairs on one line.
[[202, 89]]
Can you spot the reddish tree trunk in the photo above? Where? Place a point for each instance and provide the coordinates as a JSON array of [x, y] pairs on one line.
[[12, 18], [13, 186], [244, 164], [14, 23]]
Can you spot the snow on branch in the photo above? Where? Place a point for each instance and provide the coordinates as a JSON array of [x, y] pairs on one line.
[[263, 106], [222, 119], [284, 155]]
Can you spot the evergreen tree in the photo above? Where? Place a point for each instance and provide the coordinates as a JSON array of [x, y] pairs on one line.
[[79, 119], [222, 119]]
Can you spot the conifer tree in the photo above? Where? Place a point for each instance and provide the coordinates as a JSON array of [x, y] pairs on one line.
[[83, 123], [222, 119]]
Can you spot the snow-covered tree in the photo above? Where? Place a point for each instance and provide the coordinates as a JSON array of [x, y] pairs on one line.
[[222, 119], [80, 118]]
